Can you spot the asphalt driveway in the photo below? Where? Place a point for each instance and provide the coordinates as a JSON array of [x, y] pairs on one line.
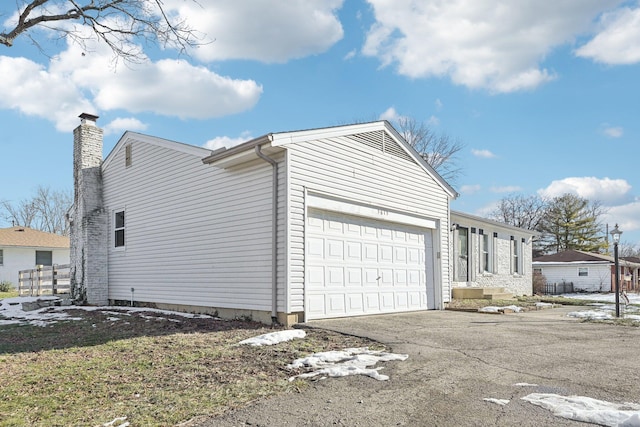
[[458, 359]]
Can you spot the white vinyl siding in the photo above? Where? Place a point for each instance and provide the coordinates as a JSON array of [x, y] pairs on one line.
[[344, 168], [195, 234], [598, 279]]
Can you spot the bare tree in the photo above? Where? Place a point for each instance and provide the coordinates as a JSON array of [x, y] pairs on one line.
[[520, 211], [116, 22], [45, 211], [440, 151]]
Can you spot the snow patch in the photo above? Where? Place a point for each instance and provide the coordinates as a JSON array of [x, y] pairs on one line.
[[588, 410], [351, 361], [525, 385], [275, 337], [500, 402], [493, 309]]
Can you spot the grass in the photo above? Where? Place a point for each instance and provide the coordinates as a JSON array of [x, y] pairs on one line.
[[523, 301], [10, 294], [153, 370]]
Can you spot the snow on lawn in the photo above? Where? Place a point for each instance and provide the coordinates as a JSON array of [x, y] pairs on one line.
[[500, 402], [351, 361], [588, 410], [275, 337], [605, 308], [493, 309], [11, 310]]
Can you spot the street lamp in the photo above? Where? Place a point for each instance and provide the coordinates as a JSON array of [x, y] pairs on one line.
[[615, 233]]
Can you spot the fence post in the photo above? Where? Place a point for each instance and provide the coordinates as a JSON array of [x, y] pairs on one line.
[[40, 279], [31, 281], [54, 280]]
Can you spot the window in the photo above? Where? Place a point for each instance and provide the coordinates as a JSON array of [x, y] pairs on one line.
[[462, 255], [1, 257], [44, 258], [118, 229], [485, 252], [515, 256], [583, 272]]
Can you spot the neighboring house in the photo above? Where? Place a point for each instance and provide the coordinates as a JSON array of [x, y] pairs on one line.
[[23, 248], [490, 254], [291, 226], [589, 272]]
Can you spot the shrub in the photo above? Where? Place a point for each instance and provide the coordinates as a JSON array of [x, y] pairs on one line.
[[539, 283], [6, 286]]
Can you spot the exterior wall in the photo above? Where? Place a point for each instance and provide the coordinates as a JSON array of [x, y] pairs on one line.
[[195, 235], [89, 280], [598, 280], [501, 273], [347, 169], [16, 259]]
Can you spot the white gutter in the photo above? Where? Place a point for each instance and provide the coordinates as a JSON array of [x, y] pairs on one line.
[[274, 234]]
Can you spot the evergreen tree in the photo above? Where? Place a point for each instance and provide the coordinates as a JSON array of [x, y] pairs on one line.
[[571, 222]]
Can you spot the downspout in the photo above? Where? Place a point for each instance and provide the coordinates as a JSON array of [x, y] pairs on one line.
[[274, 234]]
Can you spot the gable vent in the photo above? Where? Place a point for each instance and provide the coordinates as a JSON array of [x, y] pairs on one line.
[[380, 140]]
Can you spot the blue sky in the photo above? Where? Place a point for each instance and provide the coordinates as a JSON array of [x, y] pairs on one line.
[[544, 95]]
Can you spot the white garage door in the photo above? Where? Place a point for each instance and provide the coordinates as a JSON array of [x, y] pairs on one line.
[[358, 266]]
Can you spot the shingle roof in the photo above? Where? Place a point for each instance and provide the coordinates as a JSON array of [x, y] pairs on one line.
[[28, 237], [573, 256]]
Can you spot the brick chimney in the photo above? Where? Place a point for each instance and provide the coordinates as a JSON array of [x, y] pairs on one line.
[[88, 217]]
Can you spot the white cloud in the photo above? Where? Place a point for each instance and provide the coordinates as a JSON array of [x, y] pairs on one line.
[[470, 189], [390, 114], [605, 190], [81, 80], [618, 41], [439, 105], [484, 154], [613, 132], [488, 44], [34, 91], [227, 142], [122, 124], [433, 121], [506, 189], [627, 216], [274, 31], [350, 55]]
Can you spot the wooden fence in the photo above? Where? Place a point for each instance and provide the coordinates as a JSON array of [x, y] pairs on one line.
[[45, 280]]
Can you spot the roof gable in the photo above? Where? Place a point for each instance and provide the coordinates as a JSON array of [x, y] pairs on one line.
[[379, 135], [130, 137], [28, 237]]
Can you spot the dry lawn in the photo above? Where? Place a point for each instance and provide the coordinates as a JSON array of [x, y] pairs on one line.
[[154, 369]]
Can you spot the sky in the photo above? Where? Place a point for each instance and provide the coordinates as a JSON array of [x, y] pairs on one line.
[[543, 95], [353, 361]]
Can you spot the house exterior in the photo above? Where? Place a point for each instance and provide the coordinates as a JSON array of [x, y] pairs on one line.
[[589, 272], [490, 254], [288, 227], [23, 248]]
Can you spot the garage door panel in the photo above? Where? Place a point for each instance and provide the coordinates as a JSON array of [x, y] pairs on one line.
[[363, 266], [387, 301], [355, 303], [354, 277], [335, 249], [335, 277], [336, 304], [372, 303], [354, 252]]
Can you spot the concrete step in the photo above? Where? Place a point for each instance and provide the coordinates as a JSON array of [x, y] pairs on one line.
[[481, 293]]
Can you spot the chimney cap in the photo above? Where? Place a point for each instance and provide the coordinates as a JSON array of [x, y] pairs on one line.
[[88, 117]]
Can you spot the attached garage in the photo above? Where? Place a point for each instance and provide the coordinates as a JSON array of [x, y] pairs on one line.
[[357, 265], [288, 227]]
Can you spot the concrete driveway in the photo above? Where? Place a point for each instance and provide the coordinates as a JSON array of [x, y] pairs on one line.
[[458, 359]]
